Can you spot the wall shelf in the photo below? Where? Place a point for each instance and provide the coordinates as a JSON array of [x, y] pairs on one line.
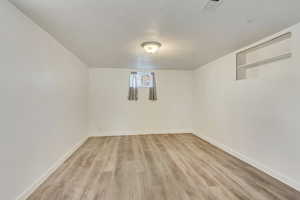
[[267, 52], [266, 61]]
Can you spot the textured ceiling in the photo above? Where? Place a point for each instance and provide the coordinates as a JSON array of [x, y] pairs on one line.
[[108, 33]]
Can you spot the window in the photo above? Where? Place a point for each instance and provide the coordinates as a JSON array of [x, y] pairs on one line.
[[144, 79]]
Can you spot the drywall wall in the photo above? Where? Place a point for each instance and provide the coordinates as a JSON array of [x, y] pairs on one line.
[[43, 102], [256, 119], [112, 114]]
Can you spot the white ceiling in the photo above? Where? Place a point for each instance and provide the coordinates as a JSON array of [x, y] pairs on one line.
[[108, 33]]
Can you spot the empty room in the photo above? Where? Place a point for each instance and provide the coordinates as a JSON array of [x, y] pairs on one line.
[[150, 100]]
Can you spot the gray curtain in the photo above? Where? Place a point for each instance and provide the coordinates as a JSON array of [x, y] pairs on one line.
[[152, 90], [133, 89]]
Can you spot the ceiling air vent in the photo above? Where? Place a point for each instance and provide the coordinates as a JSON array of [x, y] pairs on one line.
[[212, 5]]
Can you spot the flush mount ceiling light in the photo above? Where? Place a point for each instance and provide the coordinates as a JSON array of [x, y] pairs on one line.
[[151, 47]]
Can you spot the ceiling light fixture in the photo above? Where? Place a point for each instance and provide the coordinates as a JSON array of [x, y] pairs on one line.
[[151, 47]]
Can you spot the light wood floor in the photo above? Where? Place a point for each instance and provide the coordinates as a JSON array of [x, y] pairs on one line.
[[158, 167]]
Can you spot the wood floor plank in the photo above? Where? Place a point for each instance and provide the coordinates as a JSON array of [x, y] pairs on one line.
[[158, 167]]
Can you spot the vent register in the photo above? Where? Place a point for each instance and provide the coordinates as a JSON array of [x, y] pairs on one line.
[[212, 5]]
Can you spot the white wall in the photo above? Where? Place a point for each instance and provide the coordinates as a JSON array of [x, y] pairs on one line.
[[257, 118], [112, 114], [43, 101]]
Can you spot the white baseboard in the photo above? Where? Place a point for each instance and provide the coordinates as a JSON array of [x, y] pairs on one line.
[[275, 174], [140, 132], [58, 163]]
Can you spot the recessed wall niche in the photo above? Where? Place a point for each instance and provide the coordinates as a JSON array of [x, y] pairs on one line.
[[273, 50]]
